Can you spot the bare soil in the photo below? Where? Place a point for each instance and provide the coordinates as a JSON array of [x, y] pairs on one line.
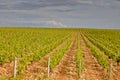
[[92, 71], [6, 70], [66, 69], [116, 72]]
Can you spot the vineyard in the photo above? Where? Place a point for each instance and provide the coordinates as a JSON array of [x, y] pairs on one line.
[[59, 54]]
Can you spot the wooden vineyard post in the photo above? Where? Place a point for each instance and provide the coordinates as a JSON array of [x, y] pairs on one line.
[[49, 67], [118, 61], [79, 71], [110, 71], [15, 66]]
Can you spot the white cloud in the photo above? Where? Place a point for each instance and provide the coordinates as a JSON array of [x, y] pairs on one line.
[[51, 23], [85, 2], [55, 23], [95, 3]]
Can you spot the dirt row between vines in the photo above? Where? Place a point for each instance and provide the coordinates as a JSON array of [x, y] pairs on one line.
[[116, 72], [66, 69], [6, 70], [92, 70]]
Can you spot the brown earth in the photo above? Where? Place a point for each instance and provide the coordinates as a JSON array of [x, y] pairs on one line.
[[92, 71], [116, 72], [66, 69], [6, 70]]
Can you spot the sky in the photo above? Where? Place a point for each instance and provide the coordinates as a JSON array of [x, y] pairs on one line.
[[60, 13]]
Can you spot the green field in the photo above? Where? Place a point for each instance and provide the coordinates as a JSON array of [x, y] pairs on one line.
[[32, 44]]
